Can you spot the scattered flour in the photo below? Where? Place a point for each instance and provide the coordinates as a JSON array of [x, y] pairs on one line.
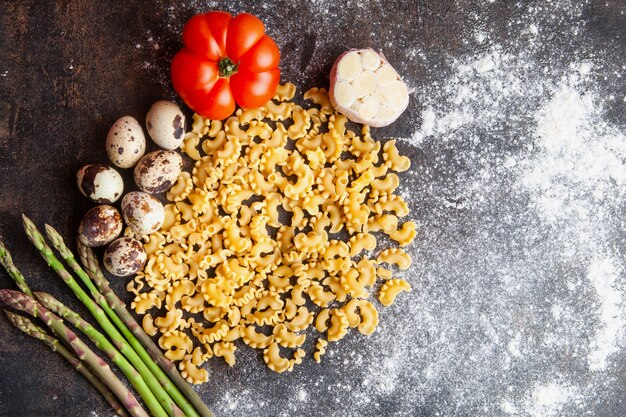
[[548, 399], [604, 276]]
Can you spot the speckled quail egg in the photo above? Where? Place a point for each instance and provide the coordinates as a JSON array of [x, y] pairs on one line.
[[126, 142], [165, 123], [124, 256], [100, 183], [100, 225], [143, 212], [158, 170]]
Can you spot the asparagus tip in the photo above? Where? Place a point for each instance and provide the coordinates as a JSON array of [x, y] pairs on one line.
[[13, 317], [25, 325]]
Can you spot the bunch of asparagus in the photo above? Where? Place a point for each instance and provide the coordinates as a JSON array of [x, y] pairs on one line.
[[163, 390]]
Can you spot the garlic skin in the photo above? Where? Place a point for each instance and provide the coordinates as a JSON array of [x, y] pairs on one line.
[[367, 89]]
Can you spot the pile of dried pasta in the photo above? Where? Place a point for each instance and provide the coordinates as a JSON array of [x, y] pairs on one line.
[[269, 236]]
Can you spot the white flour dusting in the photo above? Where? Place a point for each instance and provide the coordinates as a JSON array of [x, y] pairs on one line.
[[609, 337], [548, 399]]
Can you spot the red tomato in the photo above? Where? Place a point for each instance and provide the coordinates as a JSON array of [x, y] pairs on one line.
[[225, 61]]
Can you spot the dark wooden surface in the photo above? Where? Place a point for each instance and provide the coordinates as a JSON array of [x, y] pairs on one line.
[[70, 69]]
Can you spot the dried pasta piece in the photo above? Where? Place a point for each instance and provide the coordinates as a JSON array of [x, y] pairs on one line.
[[255, 339], [405, 234], [215, 333], [338, 325], [144, 302], [225, 350], [350, 309], [147, 323], [390, 290], [287, 338], [271, 356], [394, 159], [360, 242], [301, 123], [393, 203], [369, 317], [176, 344], [192, 304], [383, 273], [191, 371], [170, 322], [321, 321], [387, 222], [320, 349], [276, 112], [320, 97], [367, 269], [247, 115], [176, 292], [155, 243], [319, 296], [301, 320], [190, 145], [285, 92], [351, 283], [181, 189], [395, 256]]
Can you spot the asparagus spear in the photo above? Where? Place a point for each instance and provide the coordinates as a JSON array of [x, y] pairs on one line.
[[26, 304], [92, 267], [102, 343], [31, 329], [7, 263], [68, 256], [46, 252]]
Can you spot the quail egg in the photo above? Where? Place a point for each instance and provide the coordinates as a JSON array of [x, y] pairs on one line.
[[126, 142], [158, 171], [143, 212], [99, 226], [100, 183], [124, 256], [165, 123]]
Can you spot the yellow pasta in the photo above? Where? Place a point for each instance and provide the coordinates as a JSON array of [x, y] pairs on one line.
[[285, 92], [287, 338], [405, 234], [181, 189], [255, 339], [301, 320], [225, 350], [390, 290], [338, 325], [147, 323], [369, 317], [395, 256], [176, 345], [394, 159], [320, 349], [270, 235], [191, 371]]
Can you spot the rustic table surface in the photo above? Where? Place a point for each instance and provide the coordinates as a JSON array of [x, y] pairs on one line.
[[516, 135]]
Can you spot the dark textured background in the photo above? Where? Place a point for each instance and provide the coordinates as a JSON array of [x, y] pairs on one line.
[[72, 68]]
